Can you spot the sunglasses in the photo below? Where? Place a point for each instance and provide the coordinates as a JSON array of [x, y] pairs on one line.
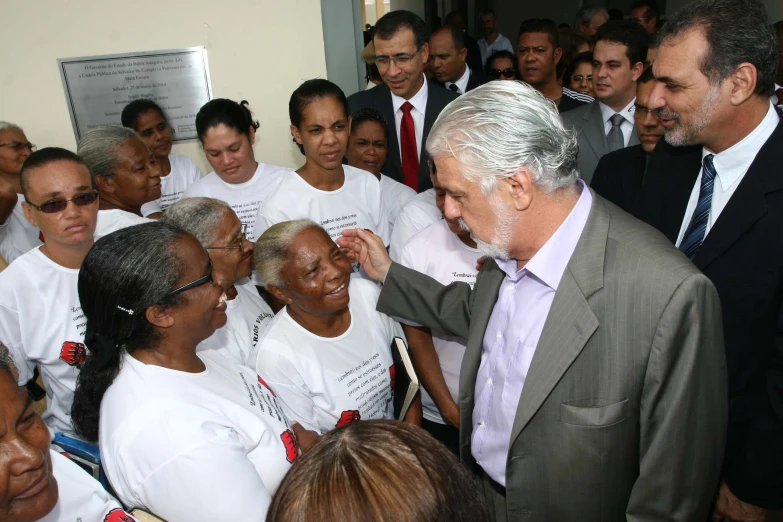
[[198, 282], [58, 205], [505, 73]]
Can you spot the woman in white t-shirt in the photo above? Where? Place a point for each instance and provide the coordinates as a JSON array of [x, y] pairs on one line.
[[221, 233], [327, 353], [368, 146], [185, 435], [37, 483], [177, 172], [125, 174], [334, 195], [227, 132]]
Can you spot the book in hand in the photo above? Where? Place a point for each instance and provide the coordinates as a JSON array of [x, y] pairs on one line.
[[406, 383]]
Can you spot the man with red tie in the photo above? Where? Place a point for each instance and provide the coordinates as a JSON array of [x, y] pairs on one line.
[[405, 98]]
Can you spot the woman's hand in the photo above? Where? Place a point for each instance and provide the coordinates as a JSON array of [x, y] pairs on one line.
[[368, 249]]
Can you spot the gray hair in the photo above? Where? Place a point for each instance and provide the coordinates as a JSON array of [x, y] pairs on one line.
[[98, 148], [6, 361], [199, 216], [495, 130], [736, 31], [5, 125], [587, 12], [271, 250]]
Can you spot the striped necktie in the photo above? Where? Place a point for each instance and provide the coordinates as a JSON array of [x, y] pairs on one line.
[[694, 235]]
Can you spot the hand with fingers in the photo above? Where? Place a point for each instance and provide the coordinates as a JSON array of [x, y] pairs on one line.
[[368, 250]]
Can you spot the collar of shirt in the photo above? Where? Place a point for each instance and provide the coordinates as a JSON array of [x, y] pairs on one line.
[[774, 98], [734, 162], [462, 83], [627, 112], [419, 100], [549, 263]]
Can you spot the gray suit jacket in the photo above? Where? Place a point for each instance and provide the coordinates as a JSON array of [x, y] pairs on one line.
[[623, 412], [589, 124]]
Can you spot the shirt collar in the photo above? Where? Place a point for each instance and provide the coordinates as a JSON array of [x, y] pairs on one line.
[[419, 100], [549, 263], [462, 83], [734, 162], [627, 112]]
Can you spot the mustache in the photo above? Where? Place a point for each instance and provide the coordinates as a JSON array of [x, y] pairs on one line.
[[662, 112], [464, 226]]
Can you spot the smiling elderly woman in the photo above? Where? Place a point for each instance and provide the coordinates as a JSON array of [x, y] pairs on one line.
[[327, 352]]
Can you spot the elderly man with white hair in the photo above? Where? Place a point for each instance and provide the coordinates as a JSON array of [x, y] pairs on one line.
[[593, 385]]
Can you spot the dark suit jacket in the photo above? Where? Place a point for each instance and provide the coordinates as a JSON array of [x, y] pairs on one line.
[[568, 103], [623, 409], [618, 176], [476, 79], [743, 256], [474, 54], [379, 98]]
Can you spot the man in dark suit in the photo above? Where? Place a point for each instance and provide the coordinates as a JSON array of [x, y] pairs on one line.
[[447, 61], [460, 21], [593, 385], [406, 99], [620, 174], [538, 53], [715, 189], [607, 124]]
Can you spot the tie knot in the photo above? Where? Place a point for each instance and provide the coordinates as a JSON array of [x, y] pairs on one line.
[[709, 167], [616, 119], [406, 107], [454, 87]]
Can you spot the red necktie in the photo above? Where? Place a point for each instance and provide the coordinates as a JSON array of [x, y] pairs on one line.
[[410, 154]]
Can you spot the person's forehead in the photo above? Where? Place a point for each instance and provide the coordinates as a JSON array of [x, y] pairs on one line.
[[599, 16], [677, 57], [367, 127], [12, 135], [502, 62], [534, 39], [643, 92], [57, 176], [442, 41], [487, 17], [150, 117], [638, 11], [221, 136], [401, 41], [133, 150]]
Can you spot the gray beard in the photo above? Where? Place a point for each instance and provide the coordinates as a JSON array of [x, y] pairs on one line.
[[687, 134], [497, 247]]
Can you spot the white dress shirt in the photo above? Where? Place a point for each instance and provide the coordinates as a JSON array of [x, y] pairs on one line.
[[419, 102], [501, 43], [462, 83], [626, 126], [730, 167]]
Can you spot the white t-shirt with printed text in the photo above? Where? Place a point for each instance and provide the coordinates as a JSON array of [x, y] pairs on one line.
[[323, 382], [17, 235], [41, 322], [244, 198], [183, 174], [115, 219], [416, 215], [437, 252], [248, 318], [199, 447], [394, 195], [81, 498]]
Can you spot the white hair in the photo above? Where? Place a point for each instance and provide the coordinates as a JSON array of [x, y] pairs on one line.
[[497, 129], [98, 148], [199, 216], [5, 125], [271, 251]]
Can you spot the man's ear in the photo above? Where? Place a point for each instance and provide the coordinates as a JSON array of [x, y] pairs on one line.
[[280, 294], [159, 316], [743, 83], [520, 188], [558, 55], [104, 184], [463, 53], [637, 70]]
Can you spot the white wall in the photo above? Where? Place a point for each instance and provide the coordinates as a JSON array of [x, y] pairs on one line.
[[415, 6], [259, 50], [343, 42]]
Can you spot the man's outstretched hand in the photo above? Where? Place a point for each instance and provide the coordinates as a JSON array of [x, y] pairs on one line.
[[368, 250]]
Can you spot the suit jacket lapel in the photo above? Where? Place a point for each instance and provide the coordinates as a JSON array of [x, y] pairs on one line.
[[383, 102], [570, 322], [748, 203], [593, 129], [634, 139]]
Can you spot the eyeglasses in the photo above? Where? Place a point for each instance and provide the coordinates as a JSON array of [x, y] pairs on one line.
[[18, 146], [198, 282], [579, 78], [400, 59], [505, 73], [242, 238], [58, 205], [640, 110]]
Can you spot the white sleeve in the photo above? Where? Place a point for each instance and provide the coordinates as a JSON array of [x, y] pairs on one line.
[[262, 222], [381, 217], [214, 480], [404, 229], [11, 336], [193, 173], [406, 260], [287, 384], [506, 46], [151, 207]]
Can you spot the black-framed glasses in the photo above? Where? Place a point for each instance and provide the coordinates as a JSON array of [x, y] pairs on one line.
[[198, 282], [242, 238], [505, 73], [58, 205], [400, 59], [18, 146]]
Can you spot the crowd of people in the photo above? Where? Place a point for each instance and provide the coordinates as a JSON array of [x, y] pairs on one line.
[[593, 317]]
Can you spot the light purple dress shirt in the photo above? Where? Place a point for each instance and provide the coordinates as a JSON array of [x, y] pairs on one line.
[[512, 335]]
